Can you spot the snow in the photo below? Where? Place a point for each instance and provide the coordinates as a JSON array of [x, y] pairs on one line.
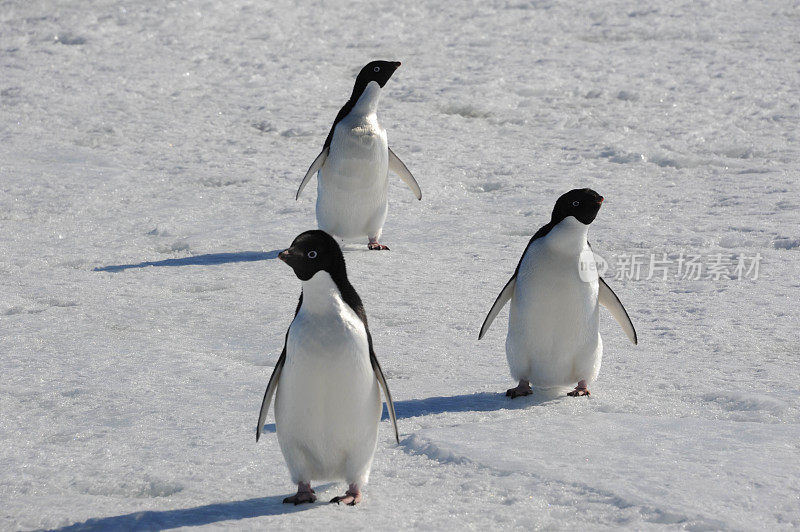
[[149, 157], [677, 471]]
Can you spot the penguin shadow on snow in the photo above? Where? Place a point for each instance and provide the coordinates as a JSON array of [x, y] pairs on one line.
[[197, 516], [473, 402], [208, 259], [351, 247]]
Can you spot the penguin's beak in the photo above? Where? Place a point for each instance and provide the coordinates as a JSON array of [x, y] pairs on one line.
[[284, 255], [600, 201], [397, 64]]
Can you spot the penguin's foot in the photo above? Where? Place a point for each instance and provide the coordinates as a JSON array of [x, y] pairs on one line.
[[374, 244], [304, 494], [350, 498], [522, 389], [580, 389]]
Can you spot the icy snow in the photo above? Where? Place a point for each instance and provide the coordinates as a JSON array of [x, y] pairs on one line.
[[149, 156]]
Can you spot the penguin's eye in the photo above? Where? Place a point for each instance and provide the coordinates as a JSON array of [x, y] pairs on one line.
[[312, 254], [576, 203], [377, 69]]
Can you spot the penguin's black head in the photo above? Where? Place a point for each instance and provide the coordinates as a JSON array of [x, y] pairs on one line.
[[378, 71], [314, 251], [582, 203]]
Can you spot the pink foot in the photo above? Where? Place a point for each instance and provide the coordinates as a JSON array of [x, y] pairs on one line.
[[350, 498], [580, 390], [377, 246], [304, 494], [522, 389]]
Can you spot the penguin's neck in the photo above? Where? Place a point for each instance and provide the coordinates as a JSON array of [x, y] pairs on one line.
[[321, 295], [568, 236], [367, 103]]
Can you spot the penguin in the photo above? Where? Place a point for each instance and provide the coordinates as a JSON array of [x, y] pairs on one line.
[[327, 379], [553, 338], [353, 165]]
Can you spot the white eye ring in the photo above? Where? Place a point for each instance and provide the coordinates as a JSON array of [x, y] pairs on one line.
[[377, 69], [576, 203], [312, 254]]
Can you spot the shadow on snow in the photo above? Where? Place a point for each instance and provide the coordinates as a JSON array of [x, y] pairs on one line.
[[209, 259], [473, 402], [265, 506], [198, 516]]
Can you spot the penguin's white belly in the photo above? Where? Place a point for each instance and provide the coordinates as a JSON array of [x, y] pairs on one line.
[[553, 337], [351, 193], [327, 405]]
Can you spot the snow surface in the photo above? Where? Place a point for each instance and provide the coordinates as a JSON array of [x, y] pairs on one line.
[[149, 156]]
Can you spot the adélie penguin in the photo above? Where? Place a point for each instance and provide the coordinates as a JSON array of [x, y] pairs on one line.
[[553, 327], [327, 379], [353, 165]]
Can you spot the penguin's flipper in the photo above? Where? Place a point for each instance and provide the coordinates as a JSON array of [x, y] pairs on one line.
[[397, 166], [609, 299], [499, 303], [271, 387], [382, 381], [313, 169]]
